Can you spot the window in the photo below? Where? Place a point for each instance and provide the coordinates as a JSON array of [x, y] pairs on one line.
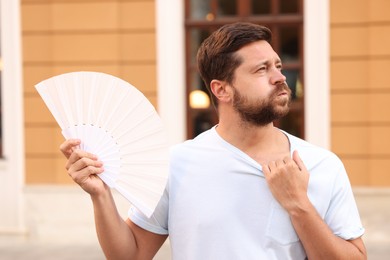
[[283, 17]]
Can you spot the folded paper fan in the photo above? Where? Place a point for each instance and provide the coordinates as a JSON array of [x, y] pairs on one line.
[[116, 122]]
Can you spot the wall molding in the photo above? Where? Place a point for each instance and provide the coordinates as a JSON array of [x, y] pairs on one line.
[[317, 75], [12, 170]]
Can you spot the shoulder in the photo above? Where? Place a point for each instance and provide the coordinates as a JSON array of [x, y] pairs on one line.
[[199, 142], [311, 154]]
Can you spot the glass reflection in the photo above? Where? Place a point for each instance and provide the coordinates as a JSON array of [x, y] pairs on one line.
[[289, 45], [197, 37], [203, 120], [227, 7], [200, 9], [197, 82], [261, 7], [292, 123], [289, 6], [293, 81]]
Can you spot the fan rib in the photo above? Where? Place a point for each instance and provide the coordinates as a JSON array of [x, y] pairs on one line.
[[116, 122]]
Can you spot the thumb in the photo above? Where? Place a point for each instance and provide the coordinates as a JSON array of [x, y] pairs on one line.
[[69, 146], [297, 159]]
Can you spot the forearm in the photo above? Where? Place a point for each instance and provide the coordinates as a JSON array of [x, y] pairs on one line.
[[115, 236], [318, 240]]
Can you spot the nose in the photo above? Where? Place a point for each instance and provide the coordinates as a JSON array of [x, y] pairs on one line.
[[277, 77]]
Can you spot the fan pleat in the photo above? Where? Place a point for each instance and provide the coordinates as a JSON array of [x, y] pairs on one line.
[[128, 109], [64, 96], [52, 107], [137, 113], [117, 105], [136, 195], [116, 122]]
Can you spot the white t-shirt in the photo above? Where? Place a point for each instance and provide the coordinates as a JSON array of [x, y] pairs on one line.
[[217, 204]]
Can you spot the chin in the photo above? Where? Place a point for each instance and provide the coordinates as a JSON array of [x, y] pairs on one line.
[[285, 106]]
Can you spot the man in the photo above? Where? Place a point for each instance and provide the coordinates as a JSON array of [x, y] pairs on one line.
[[243, 189]]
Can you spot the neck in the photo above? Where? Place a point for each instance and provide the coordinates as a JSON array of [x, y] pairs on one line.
[[244, 135], [262, 143]]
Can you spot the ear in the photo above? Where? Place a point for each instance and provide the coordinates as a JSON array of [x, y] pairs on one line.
[[221, 90]]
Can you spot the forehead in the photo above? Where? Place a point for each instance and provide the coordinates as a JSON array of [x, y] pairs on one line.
[[256, 52]]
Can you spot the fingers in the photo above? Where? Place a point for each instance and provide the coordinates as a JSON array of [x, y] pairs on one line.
[[297, 159], [77, 155], [274, 166], [69, 146], [287, 180], [81, 165], [83, 168], [283, 166], [266, 169]]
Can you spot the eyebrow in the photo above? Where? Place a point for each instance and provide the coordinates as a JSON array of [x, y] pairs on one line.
[[266, 62]]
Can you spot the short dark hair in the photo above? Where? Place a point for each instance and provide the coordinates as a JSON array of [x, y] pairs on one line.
[[216, 55]]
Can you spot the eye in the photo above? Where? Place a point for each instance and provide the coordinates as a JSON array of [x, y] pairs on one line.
[[279, 66], [261, 69]]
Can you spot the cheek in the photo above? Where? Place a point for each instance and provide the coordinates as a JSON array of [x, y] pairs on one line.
[[253, 87]]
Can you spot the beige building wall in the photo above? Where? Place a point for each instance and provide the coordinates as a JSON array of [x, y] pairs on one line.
[[50, 214], [360, 88], [119, 38], [114, 37]]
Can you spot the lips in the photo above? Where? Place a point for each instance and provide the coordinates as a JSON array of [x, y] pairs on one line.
[[283, 90]]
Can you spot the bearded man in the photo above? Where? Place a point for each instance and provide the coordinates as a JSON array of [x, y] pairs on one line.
[[243, 189]]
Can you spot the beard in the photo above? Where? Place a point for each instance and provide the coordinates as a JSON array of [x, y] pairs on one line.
[[261, 112]]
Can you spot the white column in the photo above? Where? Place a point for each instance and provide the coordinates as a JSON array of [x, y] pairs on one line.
[[317, 101], [12, 163], [171, 67]]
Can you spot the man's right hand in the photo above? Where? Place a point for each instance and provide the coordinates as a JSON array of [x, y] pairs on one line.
[[82, 167]]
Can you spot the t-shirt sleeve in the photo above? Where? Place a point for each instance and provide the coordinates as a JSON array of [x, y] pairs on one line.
[[342, 215], [158, 221]]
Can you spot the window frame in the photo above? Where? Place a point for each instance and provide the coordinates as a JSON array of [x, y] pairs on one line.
[[170, 70], [275, 21]]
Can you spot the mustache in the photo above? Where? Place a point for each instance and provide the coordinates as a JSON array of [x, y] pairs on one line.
[[282, 87]]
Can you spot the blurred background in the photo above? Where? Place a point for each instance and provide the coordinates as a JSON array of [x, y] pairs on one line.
[[335, 56]]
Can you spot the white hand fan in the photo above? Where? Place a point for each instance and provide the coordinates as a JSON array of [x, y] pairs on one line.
[[116, 122]]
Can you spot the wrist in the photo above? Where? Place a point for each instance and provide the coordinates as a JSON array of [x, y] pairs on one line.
[[299, 208], [101, 194]]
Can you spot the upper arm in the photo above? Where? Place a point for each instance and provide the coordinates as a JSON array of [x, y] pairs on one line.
[[148, 243]]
